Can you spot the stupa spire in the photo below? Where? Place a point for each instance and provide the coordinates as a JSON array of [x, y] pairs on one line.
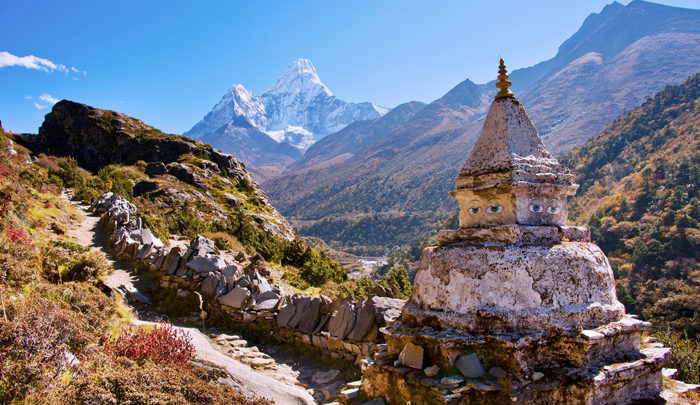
[[503, 83]]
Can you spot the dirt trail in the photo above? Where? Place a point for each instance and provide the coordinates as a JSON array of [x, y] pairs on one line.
[[90, 234], [279, 388]]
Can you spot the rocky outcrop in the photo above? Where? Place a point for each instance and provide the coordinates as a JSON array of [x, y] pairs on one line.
[[239, 291], [97, 138]]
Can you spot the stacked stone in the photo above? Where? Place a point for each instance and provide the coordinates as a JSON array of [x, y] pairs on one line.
[[342, 328], [514, 307]]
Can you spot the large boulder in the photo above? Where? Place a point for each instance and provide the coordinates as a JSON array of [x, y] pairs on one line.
[[302, 306], [187, 173], [213, 284], [312, 316], [235, 298], [364, 321], [232, 273], [202, 246], [155, 169], [146, 237], [412, 356], [172, 260], [266, 304], [470, 366], [286, 311], [322, 322], [202, 264], [331, 306], [144, 187], [342, 321], [386, 310]]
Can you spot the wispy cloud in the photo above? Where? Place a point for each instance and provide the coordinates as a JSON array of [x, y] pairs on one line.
[[34, 62], [44, 101], [47, 97], [29, 62]]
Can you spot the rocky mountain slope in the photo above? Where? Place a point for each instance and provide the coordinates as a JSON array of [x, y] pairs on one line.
[[639, 195], [617, 59], [341, 145], [279, 125], [179, 173]]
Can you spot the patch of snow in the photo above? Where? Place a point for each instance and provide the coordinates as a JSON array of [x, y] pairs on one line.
[[381, 110]]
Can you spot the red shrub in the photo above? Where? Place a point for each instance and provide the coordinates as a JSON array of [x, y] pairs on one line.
[[161, 344], [18, 236], [7, 172], [20, 158], [48, 188]]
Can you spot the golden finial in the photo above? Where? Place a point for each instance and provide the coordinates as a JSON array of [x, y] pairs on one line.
[[503, 82]]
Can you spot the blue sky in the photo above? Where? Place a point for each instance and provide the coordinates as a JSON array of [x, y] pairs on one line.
[[169, 62]]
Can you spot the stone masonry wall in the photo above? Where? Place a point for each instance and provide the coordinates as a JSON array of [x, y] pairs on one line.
[[340, 328]]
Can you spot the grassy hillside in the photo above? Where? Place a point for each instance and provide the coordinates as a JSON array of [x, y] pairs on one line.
[[62, 339], [640, 196]]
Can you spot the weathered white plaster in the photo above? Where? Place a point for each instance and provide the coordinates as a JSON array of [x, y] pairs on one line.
[[563, 286]]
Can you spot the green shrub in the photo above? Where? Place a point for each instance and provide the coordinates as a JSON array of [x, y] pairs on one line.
[[33, 346], [121, 179], [186, 221], [685, 354], [398, 282], [296, 253], [320, 269], [18, 262], [96, 309], [224, 241], [60, 265], [67, 244], [85, 186]]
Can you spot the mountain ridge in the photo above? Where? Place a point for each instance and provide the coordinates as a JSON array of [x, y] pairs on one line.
[[412, 169]]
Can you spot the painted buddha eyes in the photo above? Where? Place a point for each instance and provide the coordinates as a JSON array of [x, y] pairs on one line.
[[539, 208], [492, 209]]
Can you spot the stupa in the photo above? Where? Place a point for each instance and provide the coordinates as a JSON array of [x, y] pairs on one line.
[[514, 306]]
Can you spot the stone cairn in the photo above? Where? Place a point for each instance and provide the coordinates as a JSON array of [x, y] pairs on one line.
[[514, 306], [242, 292]]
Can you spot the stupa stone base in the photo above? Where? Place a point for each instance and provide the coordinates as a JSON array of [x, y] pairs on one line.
[[605, 365], [482, 287]]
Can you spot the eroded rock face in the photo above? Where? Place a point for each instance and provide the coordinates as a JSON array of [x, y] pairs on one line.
[[515, 288]]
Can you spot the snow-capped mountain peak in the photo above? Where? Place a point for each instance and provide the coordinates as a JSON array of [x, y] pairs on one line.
[[280, 124], [300, 77]]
